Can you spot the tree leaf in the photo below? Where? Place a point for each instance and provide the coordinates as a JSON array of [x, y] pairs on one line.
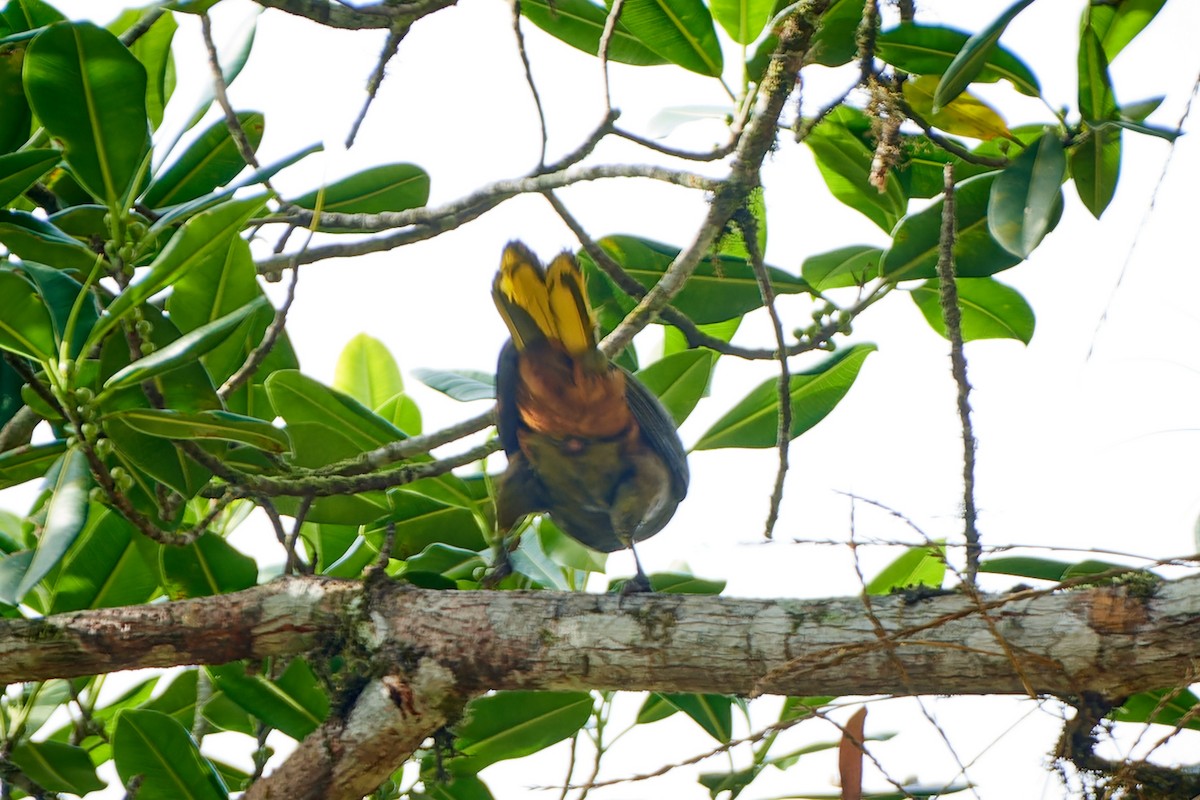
[[990, 310], [367, 372], [109, 565], [965, 115], [36, 239], [463, 385], [1117, 24], [844, 159], [90, 92], [1174, 707], [19, 171], [25, 326], [402, 411], [914, 250], [916, 566], [57, 766], [1026, 199], [930, 50], [15, 116], [847, 266], [1095, 167], [221, 425], [712, 712], [66, 512], [212, 160], [754, 421], [580, 23], [184, 350], [743, 20], [679, 380], [1096, 100], [293, 704], [508, 725], [387, 187], [26, 463], [973, 56], [155, 746], [680, 31], [153, 49], [202, 238], [207, 566]]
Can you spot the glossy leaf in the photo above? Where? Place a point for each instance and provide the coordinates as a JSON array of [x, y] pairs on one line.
[[580, 24], [19, 171], [453, 562], [186, 349], [914, 250], [973, 56], [26, 463], [153, 49], [211, 161], [57, 766], [754, 421], [25, 326], [1096, 101], [846, 266], [202, 239], [109, 565], [845, 159], [1035, 567], [207, 566], [387, 187], [403, 412], [564, 550], [930, 50], [293, 704], [743, 20], [155, 746], [367, 372], [680, 31], [683, 583], [1117, 24], [1026, 199], [836, 41], [679, 380], [722, 287], [1174, 707], [220, 425], [61, 294], [35, 239], [990, 310], [463, 385], [965, 115], [508, 725], [90, 92], [1096, 160], [712, 712], [422, 520], [15, 116], [916, 566], [66, 513], [732, 241], [923, 163]]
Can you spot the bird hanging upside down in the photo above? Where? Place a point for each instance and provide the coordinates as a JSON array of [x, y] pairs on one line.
[[586, 442]]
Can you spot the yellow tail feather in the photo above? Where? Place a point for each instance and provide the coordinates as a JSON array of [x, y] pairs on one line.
[[536, 303]]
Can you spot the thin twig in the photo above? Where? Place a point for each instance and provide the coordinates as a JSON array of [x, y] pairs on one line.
[[952, 316], [390, 47], [219, 91], [515, 5], [260, 353], [144, 23], [610, 26]]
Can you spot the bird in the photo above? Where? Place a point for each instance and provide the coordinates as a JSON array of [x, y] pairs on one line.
[[587, 443]]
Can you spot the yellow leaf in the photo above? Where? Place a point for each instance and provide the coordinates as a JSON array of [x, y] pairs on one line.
[[965, 115]]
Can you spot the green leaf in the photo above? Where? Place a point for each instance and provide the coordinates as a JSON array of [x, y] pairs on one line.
[[1174, 707], [923, 163], [456, 563], [845, 159], [1116, 24], [836, 41], [990, 310], [186, 349], [743, 20], [847, 266], [566, 551], [367, 372], [683, 583], [35, 239], [212, 160], [206, 567], [679, 380], [455, 787], [225, 426], [513, 724], [916, 566], [109, 565], [155, 746], [90, 92], [973, 56], [1045, 569], [732, 241], [965, 115], [930, 50], [19, 171], [387, 187], [1026, 200], [712, 712], [15, 116], [914, 250], [202, 239], [25, 326], [234, 54], [422, 520], [402, 411], [754, 422], [721, 288], [680, 31], [66, 513], [326, 425], [580, 23], [463, 385], [654, 708], [61, 294], [293, 704], [1096, 100], [1095, 167], [57, 767], [26, 463], [153, 49]]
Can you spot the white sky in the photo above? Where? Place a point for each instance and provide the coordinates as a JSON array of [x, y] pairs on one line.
[[1074, 453]]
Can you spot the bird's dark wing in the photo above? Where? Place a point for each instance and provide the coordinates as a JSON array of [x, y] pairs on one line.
[[508, 416], [659, 430]]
